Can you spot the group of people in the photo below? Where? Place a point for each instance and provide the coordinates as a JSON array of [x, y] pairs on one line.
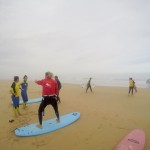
[[15, 92], [132, 86], [50, 94]]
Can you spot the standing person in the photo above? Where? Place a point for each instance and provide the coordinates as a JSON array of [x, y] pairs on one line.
[[15, 95], [49, 94], [89, 85], [131, 85], [24, 86], [148, 83], [59, 87]]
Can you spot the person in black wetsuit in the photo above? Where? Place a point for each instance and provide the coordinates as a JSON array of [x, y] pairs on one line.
[[49, 94], [89, 85], [59, 87]]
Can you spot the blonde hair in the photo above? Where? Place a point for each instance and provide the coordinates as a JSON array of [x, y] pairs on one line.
[[48, 74]]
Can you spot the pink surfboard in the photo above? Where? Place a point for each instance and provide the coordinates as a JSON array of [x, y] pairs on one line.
[[135, 140]]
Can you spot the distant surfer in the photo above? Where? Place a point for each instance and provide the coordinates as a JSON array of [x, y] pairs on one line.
[[131, 86], [15, 95], [89, 85], [59, 87], [148, 83], [24, 87], [49, 96]]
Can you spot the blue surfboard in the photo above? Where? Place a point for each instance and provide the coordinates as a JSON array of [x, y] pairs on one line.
[[30, 101], [47, 125]]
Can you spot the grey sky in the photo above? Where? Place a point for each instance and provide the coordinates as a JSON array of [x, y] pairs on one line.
[[74, 36]]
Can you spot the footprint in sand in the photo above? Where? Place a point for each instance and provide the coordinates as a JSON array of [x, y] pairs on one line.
[[16, 140], [39, 143]]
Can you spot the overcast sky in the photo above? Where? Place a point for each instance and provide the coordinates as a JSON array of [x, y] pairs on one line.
[[74, 37]]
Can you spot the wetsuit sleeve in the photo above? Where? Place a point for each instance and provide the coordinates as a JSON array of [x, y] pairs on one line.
[[39, 82]]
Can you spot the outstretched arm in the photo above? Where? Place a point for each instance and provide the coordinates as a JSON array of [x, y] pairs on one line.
[[39, 82]]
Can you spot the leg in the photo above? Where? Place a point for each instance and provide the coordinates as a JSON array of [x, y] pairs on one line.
[[41, 110], [55, 107], [58, 98], [24, 98], [14, 105], [15, 101], [24, 105], [132, 90], [129, 89], [18, 110], [90, 88], [22, 94], [15, 111], [87, 89]]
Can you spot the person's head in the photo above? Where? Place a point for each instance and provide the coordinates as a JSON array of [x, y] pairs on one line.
[[48, 74], [56, 77], [16, 79], [25, 77]]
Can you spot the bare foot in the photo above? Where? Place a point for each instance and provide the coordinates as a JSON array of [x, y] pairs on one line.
[[39, 126], [57, 120], [19, 114]]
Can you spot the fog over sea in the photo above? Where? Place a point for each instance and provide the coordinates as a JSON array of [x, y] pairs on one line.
[[121, 80]]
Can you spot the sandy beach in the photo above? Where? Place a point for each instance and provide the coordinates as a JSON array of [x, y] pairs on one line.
[[107, 115]]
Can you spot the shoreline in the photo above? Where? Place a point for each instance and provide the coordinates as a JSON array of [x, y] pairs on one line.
[[113, 83]]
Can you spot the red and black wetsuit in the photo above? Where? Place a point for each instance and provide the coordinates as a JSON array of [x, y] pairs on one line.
[[49, 94]]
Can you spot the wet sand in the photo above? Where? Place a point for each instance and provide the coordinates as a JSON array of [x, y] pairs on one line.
[[107, 115]]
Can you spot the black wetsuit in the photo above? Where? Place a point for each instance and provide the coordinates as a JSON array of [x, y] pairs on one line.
[[89, 85], [48, 100], [59, 87]]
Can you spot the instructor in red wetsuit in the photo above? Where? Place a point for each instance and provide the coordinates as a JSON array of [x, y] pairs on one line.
[[49, 94]]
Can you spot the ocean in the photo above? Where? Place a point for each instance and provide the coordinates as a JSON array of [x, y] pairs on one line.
[[120, 80]]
